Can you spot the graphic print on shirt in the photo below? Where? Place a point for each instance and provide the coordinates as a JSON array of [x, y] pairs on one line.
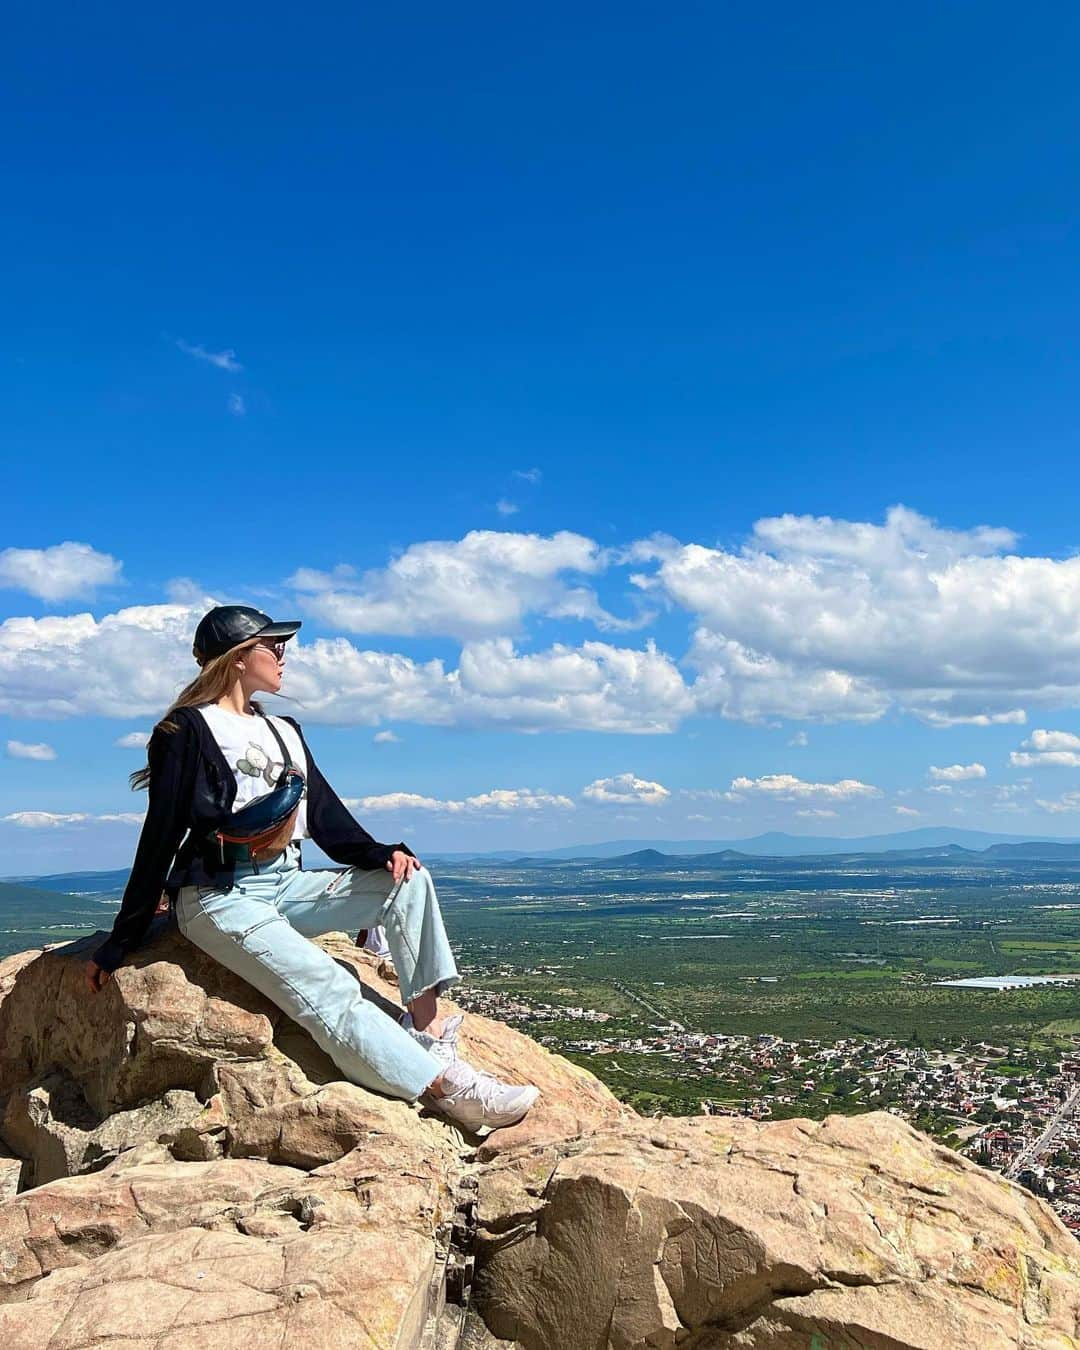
[[256, 763]]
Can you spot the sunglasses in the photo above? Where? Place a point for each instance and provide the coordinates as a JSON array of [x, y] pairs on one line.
[[278, 648]]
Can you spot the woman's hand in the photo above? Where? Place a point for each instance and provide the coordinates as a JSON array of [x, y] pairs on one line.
[[403, 865], [96, 978]]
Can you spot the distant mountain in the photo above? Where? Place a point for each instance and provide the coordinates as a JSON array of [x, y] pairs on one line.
[[20, 902], [77, 883], [774, 844], [946, 855], [938, 843]]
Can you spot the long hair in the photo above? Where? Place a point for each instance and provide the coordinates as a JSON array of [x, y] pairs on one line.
[[213, 682]]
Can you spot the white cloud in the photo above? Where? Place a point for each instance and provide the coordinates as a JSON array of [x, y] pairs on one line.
[[483, 584], [957, 773], [187, 591], [57, 573], [1014, 716], [499, 801], [529, 475], [134, 740], [751, 686], [828, 619], [592, 687], [1068, 801], [786, 787], [385, 738], [906, 811], [626, 789], [52, 820], [236, 405], [224, 360], [128, 664], [816, 812], [1047, 747], [132, 664], [506, 508], [20, 750], [800, 740]]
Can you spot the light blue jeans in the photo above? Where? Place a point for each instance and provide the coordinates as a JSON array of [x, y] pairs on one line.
[[260, 930]]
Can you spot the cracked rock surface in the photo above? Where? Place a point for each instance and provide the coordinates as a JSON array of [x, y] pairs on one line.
[[714, 1232], [182, 1166]]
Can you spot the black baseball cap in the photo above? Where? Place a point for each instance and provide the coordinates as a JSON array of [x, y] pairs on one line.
[[228, 625]]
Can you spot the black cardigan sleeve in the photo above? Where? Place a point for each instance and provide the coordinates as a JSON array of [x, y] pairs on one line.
[[172, 757], [332, 826]]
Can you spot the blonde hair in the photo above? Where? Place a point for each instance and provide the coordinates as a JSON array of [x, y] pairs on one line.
[[214, 680]]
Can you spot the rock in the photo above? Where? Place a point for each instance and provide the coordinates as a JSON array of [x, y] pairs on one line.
[[734, 1233], [165, 1020], [223, 1173], [252, 1083], [11, 1172], [333, 1287], [51, 1125]]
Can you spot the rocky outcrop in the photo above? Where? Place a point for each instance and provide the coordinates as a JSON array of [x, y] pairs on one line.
[[856, 1229], [184, 1166]]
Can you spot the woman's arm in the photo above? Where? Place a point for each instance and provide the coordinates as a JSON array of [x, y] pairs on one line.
[[332, 826], [172, 760]]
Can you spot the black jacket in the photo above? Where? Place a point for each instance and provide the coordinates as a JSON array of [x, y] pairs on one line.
[[192, 790]]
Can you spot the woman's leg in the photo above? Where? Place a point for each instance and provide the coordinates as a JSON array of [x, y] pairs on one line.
[[244, 930], [326, 901]]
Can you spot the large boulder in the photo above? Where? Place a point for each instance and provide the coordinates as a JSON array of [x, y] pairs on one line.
[[176, 1048], [856, 1230], [185, 1166], [233, 1253]]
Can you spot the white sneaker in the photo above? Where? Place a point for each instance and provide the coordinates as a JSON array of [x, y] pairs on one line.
[[477, 1101], [443, 1047], [375, 943]]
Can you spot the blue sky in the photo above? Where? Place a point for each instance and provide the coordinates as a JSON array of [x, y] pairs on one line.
[[561, 371]]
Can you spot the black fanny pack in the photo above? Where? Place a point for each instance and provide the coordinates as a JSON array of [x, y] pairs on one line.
[[264, 827]]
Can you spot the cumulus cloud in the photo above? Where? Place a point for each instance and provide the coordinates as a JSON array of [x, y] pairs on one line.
[[1047, 747], [626, 789], [385, 738], [132, 664], [224, 360], [1068, 801], [906, 811], [1015, 716], [57, 573], [816, 813], [592, 687], [53, 820], [21, 750], [956, 773], [499, 801], [830, 619], [786, 787], [134, 740], [483, 584], [506, 508], [128, 664]]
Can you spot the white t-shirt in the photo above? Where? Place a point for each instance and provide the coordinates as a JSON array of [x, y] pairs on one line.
[[254, 755]]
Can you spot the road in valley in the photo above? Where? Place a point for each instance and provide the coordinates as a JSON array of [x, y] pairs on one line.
[[1029, 1156]]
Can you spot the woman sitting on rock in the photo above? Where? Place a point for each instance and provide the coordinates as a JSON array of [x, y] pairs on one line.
[[244, 790]]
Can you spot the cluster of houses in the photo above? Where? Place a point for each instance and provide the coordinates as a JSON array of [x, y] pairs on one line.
[[1010, 1108]]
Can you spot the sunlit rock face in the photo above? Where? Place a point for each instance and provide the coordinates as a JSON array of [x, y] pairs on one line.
[[182, 1166]]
